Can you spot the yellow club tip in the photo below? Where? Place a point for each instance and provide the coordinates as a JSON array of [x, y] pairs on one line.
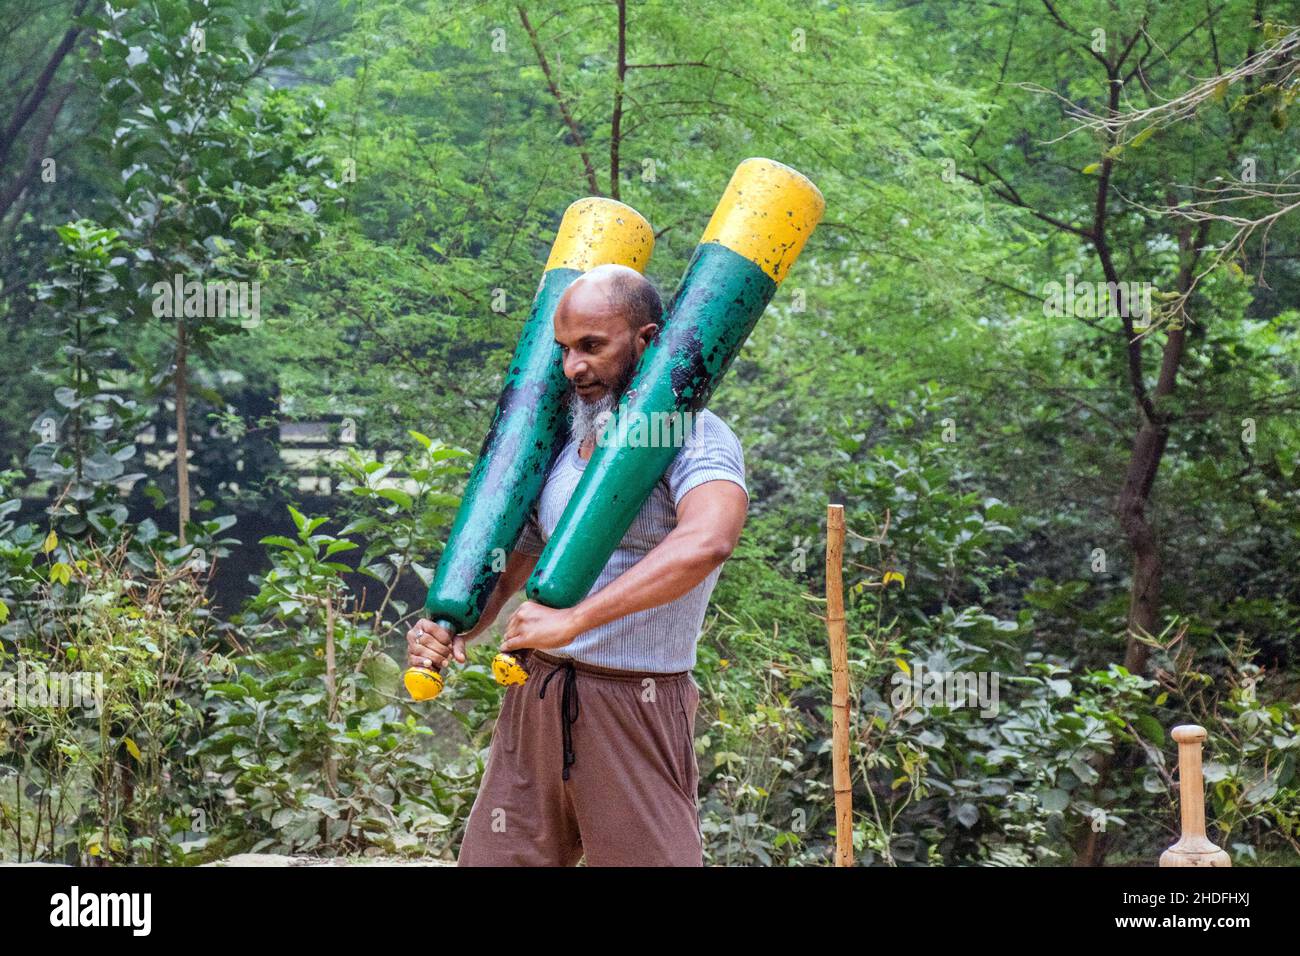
[[766, 214], [596, 231]]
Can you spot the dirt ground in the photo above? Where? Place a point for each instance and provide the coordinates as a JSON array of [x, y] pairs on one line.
[[273, 859]]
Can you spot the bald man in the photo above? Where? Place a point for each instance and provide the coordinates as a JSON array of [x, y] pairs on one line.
[[595, 755]]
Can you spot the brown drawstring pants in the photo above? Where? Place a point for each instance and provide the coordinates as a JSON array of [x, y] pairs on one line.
[[590, 761]]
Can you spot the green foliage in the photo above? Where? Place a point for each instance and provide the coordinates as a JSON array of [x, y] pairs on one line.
[[314, 740], [391, 174], [85, 443], [987, 773], [310, 739], [103, 667]]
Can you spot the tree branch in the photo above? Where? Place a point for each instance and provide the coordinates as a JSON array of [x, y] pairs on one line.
[[574, 131], [616, 120], [40, 88]]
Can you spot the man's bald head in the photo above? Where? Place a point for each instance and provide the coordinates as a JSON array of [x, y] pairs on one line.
[[624, 291]]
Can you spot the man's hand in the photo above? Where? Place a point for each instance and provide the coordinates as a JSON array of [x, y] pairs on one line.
[[430, 645], [540, 627]]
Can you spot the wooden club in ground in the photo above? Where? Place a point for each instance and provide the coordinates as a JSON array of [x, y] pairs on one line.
[[1193, 847], [837, 632]]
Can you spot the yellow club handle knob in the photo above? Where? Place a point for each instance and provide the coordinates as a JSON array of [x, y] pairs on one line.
[[596, 230], [766, 214], [507, 670], [422, 684]]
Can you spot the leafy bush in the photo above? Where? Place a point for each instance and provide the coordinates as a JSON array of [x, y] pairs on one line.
[[314, 745], [1064, 753], [105, 664]]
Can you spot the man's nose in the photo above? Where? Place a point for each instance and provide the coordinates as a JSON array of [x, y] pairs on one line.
[[574, 366]]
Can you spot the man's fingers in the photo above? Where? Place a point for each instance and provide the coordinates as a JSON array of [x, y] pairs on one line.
[[426, 633], [418, 660], [430, 645], [435, 631], [516, 621], [440, 657], [423, 652]]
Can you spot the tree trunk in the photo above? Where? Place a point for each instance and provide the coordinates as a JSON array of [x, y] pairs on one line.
[[1144, 593], [32, 99], [331, 690], [1139, 479], [616, 121], [182, 431]]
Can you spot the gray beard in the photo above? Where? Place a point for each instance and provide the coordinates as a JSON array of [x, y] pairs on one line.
[[588, 418]]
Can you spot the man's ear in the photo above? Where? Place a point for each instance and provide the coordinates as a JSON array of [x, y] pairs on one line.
[[646, 334]]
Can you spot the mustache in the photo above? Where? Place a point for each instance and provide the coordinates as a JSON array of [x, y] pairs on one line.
[[616, 387]]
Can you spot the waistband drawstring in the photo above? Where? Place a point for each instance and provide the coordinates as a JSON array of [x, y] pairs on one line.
[[568, 701]]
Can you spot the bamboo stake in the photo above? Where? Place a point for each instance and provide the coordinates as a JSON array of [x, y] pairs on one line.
[[1192, 848], [837, 631]]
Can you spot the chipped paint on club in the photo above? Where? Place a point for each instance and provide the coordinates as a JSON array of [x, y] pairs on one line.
[[528, 428], [757, 231]]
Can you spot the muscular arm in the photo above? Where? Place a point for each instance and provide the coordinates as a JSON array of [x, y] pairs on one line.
[[709, 521]]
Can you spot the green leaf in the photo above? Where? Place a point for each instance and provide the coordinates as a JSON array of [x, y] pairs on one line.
[[1214, 771], [259, 38], [1150, 728], [397, 496], [1142, 137], [1055, 801], [360, 526], [1261, 791]]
